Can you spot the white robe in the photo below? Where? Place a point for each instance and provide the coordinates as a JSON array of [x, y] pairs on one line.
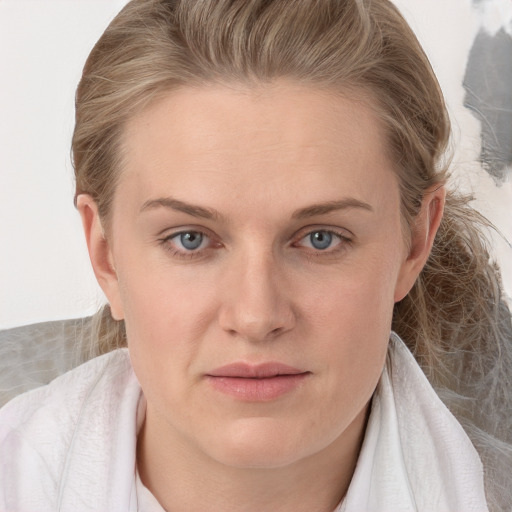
[[71, 445]]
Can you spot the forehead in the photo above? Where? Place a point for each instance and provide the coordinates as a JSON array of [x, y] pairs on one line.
[[272, 139]]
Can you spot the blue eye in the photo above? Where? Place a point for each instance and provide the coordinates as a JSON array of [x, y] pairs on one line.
[[323, 240], [190, 240], [190, 244], [320, 239]]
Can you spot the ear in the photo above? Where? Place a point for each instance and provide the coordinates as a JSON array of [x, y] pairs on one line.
[[423, 233], [100, 253]]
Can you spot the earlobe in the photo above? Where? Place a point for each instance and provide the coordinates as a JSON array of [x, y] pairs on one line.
[[100, 253], [423, 233]]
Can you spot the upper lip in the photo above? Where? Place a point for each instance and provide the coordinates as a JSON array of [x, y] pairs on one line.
[[255, 371]]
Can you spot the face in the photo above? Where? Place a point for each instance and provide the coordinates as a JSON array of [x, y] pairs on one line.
[[256, 252]]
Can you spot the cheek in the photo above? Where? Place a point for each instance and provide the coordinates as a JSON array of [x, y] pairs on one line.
[[165, 309], [165, 323], [169, 313], [350, 320], [357, 296]]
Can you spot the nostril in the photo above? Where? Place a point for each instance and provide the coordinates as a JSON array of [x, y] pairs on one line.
[[276, 331], [256, 336]]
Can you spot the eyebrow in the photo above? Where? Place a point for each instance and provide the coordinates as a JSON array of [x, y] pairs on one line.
[[210, 213], [330, 206], [181, 206]]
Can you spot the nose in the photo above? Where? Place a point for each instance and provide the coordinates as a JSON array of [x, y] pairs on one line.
[[256, 304]]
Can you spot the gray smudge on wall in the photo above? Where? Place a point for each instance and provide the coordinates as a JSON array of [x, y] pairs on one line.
[[488, 84]]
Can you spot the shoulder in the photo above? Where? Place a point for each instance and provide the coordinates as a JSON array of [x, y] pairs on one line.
[[438, 453], [65, 395], [45, 433], [415, 455]]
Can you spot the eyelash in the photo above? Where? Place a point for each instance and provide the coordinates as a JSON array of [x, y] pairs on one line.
[[343, 244], [167, 243]]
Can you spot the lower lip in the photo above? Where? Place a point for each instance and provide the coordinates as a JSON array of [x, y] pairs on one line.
[[257, 390]]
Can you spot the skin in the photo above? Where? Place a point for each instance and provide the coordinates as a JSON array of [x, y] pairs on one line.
[[257, 289]]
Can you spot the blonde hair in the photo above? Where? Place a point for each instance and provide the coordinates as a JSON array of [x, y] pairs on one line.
[[454, 320]]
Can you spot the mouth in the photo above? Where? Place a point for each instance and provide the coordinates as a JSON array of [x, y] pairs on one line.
[[256, 383]]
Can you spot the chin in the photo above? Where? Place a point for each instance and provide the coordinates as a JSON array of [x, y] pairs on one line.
[[260, 443]]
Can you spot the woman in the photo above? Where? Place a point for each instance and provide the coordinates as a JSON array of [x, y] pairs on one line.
[[262, 188]]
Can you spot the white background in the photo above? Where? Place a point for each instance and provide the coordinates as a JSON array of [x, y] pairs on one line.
[[44, 268]]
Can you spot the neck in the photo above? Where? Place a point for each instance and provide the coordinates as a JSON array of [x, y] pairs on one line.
[[181, 478]]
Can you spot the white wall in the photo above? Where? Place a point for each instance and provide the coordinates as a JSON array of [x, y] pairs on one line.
[[44, 268], [447, 29]]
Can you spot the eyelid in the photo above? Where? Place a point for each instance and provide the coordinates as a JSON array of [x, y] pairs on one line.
[[177, 239], [166, 241], [346, 239], [170, 232], [343, 233]]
